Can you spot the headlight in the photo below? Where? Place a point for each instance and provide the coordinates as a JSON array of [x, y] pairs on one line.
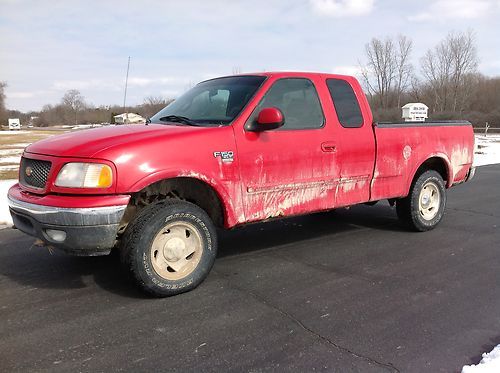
[[85, 175]]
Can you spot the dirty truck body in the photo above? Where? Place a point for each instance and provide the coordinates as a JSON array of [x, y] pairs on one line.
[[231, 151]]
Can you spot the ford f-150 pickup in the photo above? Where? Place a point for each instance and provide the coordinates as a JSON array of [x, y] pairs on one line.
[[231, 151]]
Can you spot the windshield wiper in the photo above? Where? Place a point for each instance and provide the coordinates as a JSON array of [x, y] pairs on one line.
[[178, 119]]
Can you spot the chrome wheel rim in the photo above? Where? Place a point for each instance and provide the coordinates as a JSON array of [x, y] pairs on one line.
[[176, 250], [429, 201]]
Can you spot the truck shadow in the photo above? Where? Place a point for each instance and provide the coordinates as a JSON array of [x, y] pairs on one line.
[[279, 232], [35, 267]]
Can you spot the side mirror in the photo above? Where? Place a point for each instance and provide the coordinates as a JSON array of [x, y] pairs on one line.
[[269, 118]]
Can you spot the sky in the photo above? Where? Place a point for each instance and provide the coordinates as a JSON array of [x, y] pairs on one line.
[[49, 47]]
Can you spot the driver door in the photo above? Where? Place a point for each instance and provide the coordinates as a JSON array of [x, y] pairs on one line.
[[292, 169]]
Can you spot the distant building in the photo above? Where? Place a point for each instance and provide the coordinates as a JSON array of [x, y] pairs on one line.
[[129, 118], [415, 112]]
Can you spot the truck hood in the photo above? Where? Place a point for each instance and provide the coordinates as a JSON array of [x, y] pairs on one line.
[[87, 143]]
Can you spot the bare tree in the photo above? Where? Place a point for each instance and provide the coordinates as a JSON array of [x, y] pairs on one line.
[[379, 72], [446, 67], [73, 100], [436, 68], [388, 69], [155, 100], [152, 105], [485, 94], [465, 61], [404, 68]]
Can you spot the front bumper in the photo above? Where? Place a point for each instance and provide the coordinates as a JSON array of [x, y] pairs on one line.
[[471, 173], [79, 231]]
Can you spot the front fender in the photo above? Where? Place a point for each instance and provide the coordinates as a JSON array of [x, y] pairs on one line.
[[228, 191]]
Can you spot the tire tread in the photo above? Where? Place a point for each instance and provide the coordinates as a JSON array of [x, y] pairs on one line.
[[134, 235], [407, 208]]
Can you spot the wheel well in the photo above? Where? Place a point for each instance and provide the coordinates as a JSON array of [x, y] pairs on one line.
[[182, 188], [435, 163]]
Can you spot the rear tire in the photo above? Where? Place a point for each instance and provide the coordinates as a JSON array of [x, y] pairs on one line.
[[423, 208], [169, 248]]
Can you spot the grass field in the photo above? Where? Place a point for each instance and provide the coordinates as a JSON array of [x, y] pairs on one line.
[[12, 144]]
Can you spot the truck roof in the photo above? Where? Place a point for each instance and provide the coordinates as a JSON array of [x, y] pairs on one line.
[[302, 74]]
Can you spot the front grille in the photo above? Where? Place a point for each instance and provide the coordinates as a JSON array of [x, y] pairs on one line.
[[34, 172]]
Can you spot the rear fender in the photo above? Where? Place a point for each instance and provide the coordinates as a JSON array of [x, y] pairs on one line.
[[444, 167]]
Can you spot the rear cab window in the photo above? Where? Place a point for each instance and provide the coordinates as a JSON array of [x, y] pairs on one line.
[[345, 103]]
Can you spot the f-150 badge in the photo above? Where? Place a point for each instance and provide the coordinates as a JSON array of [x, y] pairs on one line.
[[226, 156]]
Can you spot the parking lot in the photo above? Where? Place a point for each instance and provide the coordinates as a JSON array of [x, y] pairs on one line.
[[347, 290]]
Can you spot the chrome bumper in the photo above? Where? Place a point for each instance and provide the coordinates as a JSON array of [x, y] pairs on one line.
[[471, 173], [69, 216], [79, 231]]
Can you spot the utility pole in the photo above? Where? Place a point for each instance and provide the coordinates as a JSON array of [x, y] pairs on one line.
[[125, 94]]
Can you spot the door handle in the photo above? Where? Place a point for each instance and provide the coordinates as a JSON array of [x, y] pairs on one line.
[[329, 147]]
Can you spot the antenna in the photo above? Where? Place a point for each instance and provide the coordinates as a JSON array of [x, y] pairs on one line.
[[125, 94]]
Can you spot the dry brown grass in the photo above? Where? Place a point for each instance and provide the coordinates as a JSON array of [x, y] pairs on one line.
[[13, 143], [10, 138], [8, 175]]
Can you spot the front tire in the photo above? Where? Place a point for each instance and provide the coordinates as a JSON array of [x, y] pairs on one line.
[[170, 247], [424, 207]]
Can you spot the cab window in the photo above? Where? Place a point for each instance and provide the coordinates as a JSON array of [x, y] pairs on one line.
[[298, 100]]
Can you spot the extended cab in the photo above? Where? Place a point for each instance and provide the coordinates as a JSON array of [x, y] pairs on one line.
[[230, 151]]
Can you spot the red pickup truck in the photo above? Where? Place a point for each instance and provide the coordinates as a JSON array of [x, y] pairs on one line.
[[231, 151]]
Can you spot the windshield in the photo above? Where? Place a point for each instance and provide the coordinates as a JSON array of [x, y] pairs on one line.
[[213, 102]]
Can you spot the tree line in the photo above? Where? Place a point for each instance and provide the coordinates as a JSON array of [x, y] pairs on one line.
[[73, 110], [447, 80]]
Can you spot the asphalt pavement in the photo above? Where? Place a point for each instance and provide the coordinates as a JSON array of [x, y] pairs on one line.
[[348, 290]]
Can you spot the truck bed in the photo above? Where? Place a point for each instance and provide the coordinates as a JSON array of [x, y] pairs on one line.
[[401, 148]]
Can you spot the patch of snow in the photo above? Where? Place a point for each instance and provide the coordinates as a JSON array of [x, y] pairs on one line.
[[85, 126], [487, 150], [5, 218], [81, 126], [4, 152], [14, 132], [489, 364], [9, 167], [11, 159], [20, 145]]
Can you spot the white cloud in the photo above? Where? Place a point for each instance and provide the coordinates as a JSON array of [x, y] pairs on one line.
[[21, 94], [141, 82], [493, 65], [342, 8], [63, 85], [454, 9], [26, 94], [165, 80], [171, 93], [347, 70]]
